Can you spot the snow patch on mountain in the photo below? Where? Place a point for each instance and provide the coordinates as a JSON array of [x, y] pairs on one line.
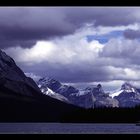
[[128, 95], [117, 93], [126, 88], [47, 85]]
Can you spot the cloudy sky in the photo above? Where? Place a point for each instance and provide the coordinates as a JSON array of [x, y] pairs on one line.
[[76, 45]]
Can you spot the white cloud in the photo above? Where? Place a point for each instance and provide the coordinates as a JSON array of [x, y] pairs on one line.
[[33, 76], [114, 59], [121, 47], [38, 53], [63, 51], [124, 73]]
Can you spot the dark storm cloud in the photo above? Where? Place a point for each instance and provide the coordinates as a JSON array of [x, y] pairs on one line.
[[12, 43], [69, 73], [86, 74], [25, 25], [132, 34], [21, 36], [102, 16]]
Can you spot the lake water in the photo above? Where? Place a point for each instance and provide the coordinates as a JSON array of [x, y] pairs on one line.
[[68, 128]]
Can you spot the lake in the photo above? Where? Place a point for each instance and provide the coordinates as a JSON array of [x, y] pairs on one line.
[[68, 128]]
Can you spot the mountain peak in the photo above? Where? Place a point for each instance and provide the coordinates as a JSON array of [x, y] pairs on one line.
[[5, 60], [127, 87], [99, 87], [50, 83], [128, 95]]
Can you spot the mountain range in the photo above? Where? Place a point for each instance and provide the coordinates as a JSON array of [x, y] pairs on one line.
[[49, 99], [91, 97]]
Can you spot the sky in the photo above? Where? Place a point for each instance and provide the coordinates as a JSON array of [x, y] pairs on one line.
[[80, 46]]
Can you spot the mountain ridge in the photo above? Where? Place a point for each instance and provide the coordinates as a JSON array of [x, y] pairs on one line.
[[90, 97], [95, 96]]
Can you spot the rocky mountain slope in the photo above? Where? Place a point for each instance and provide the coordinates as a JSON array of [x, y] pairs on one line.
[[128, 96], [88, 98]]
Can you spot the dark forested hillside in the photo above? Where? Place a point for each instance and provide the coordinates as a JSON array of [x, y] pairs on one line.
[[18, 108]]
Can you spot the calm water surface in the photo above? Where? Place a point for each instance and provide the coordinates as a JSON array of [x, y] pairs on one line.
[[68, 128]]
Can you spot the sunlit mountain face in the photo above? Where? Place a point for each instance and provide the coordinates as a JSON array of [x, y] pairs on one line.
[[78, 46]]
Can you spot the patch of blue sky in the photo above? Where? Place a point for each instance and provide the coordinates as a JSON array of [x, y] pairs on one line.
[[106, 37]]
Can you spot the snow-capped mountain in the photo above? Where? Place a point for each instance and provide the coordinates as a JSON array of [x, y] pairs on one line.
[[128, 95], [87, 98], [47, 91], [50, 83], [58, 90], [126, 87]]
